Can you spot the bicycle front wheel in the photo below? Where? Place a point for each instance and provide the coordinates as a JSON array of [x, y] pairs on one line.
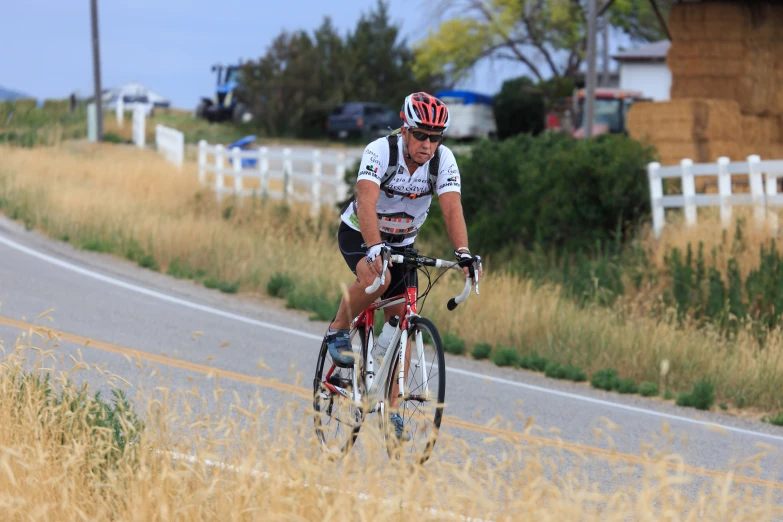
[[421, 406]]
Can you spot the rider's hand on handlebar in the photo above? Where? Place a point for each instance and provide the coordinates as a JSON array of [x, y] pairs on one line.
[[375, 260], [464, 257]]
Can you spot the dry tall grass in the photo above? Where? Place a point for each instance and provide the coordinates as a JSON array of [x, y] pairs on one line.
[[194, 461], [123, 198]]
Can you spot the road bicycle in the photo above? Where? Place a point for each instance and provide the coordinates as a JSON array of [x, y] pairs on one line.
[[343, 397]]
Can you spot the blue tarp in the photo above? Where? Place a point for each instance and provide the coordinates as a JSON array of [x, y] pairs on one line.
[[470, 97]]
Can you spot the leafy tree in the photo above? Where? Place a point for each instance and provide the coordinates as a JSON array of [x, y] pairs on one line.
[[301, 77], [547, 36], [519, 108]]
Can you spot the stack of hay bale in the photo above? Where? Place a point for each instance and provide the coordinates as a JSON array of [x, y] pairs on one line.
[[726, 61]]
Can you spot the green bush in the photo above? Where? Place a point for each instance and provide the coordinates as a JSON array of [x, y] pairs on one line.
[[701, 397], [308, 297], [453, 344], [534, 362], [554, 370], [481, 351], [180, 269], [626, 385], [576, 374], [506, 357], [605, 379], [553, 190], [279, 285], [149, 262], [648, 389]]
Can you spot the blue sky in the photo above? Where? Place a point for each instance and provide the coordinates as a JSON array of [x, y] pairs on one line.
[[50, 54]]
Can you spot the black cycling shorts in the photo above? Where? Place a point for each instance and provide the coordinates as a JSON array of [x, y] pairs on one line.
[[350, 242]]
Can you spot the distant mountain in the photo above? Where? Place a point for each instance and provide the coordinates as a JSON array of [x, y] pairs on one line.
[[8, 94]]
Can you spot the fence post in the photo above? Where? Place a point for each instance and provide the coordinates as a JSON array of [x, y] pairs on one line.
[[316, 203], [202, 161], [688, 191], [656, 195], [263, 164], [180, 149], [120, 111], [341, 190], [772, 213], [219, 150], [235, 154], [139, 131], [724, 189], [756, 189], [288, 186]]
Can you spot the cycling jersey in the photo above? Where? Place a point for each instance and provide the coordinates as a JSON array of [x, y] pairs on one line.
[[400, 217]]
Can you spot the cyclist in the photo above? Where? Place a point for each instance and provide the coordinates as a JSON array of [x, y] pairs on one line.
[[397, 177]]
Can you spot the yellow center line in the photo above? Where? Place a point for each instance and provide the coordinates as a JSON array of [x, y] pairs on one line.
[[454, 422]]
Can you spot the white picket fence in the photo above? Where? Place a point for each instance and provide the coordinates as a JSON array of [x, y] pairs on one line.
[[295, 168], [139, 124], [170, 143], [762, 177]]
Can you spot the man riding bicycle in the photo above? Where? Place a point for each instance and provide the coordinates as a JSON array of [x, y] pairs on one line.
[[398, 175]]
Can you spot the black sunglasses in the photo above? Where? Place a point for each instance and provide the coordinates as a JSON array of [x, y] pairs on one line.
[[422, 136]]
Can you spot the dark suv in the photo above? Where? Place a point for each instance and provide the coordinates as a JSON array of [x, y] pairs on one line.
[[364, 119]]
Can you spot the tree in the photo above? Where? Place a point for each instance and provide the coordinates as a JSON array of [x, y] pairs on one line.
[[547, 36], [301, 77], [519, 108]]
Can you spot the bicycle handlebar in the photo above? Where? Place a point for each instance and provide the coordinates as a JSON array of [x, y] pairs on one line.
[[437, 263]]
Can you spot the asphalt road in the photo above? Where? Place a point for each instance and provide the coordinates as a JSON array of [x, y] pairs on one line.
[[122, 308]]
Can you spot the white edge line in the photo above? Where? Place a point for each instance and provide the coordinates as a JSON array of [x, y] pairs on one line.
[[254, 472], [228, 315]]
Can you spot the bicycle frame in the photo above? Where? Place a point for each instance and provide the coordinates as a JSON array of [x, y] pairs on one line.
[[398, 345]]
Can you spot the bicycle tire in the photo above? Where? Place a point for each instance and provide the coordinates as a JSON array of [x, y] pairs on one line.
[[392, 446], [318, 389]]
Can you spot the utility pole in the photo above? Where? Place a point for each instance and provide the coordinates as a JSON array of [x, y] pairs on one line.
[[605, 48], [591, 55], [96, 66]]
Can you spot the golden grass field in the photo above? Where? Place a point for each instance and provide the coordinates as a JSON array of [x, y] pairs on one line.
[[125, 198], [193, 461]]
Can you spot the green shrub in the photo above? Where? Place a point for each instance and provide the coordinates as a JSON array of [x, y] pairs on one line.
[[180, 269], [228, 288], [534, 362], [309, 298], [605, 379], [701, 397], [506, 357], [279, 285], [626, 385], [149, 262], [648, 389], [481, 351], [212, 283], [576, 374], [554, 190], [97, 245], [453, 344], [554, 370]]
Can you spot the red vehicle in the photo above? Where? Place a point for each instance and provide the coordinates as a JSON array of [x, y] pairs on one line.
[[611, 108]]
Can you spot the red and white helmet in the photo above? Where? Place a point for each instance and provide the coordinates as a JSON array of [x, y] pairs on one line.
[[424, 111]]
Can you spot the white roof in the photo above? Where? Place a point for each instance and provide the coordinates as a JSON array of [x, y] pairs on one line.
[[651, 52]]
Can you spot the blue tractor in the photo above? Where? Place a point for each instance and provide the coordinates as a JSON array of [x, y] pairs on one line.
[[226, 103]]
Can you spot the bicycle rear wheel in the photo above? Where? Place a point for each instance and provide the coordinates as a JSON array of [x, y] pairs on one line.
[[421, 407], [337, 418]]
